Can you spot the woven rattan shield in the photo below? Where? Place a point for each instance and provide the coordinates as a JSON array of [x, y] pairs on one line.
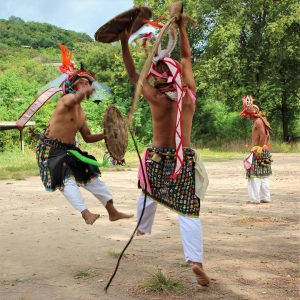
[[132, 20], [116, 133]]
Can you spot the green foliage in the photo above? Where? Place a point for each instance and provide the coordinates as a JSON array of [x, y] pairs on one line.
[[252, 50], [105, 62], [245, 47], [17, 33], [240, 47], [21, 76], [22, 73], [217, 122]]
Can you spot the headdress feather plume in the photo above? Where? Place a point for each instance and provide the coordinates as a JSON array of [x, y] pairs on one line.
[[66, 57]]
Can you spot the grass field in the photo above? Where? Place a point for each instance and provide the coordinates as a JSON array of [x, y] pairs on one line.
[[17, 165]]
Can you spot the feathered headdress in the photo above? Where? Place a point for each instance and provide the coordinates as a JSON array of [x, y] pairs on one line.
[[73, 74], [63, 83], [251, 109]]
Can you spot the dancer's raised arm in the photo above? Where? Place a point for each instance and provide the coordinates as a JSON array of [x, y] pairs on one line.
[[186, 57], [151, 94], [127, 58]]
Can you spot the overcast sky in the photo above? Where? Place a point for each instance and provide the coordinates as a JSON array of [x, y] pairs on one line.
[[78, 15]]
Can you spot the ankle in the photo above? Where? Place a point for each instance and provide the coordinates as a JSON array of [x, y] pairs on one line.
[[111, 210], [197, 264], [85, 212]]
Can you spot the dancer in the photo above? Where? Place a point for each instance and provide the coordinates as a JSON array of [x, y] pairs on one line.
[[59, 168], [176, 176], [258, 163]]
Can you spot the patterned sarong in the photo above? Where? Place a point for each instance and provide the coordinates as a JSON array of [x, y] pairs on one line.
[[261, 165], [56, 164], [177, 194]]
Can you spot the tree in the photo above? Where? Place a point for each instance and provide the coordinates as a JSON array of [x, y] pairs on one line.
[[246, 47], [17, 33]]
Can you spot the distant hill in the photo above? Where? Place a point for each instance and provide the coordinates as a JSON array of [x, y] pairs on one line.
[[17, 33]]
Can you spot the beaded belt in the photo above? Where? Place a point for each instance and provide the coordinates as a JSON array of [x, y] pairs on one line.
[[56, 143], [158, 153]]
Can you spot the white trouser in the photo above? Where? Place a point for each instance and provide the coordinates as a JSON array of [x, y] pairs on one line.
[[259, 189], [97, 187], [190, 229]]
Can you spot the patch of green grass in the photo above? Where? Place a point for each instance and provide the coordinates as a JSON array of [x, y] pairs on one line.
[[243, 146], [213, 155], [18, 165], [278, 147], [116, 254], [82, 274], [161, 283]]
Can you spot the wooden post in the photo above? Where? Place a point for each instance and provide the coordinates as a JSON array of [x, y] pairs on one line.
[[21, 141]]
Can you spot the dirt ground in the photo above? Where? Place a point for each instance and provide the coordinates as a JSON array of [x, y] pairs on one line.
[[251, 252]]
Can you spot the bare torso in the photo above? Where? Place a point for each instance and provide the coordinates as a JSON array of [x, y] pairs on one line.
[[163, 109], [164, 121], [65, 122], [260, 134]]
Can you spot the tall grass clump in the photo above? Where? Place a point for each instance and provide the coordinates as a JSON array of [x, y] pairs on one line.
[[161, 283]]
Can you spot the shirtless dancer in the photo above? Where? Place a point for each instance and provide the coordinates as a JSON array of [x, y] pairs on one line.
[[59, 169], [176, 190], [258, 163]]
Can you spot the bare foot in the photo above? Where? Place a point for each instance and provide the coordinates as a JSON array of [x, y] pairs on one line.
[[89, 217], [118, 216], [138, 233], [201, 277]]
